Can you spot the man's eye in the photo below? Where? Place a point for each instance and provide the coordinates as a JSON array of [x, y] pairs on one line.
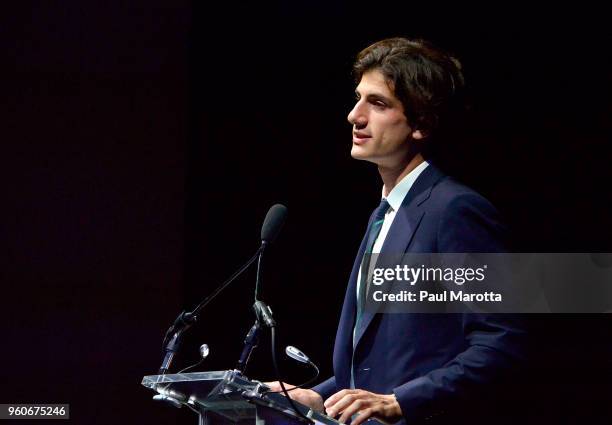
[[380, 104]]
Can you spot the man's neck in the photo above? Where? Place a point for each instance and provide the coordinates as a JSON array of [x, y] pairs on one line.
[[391, 176]]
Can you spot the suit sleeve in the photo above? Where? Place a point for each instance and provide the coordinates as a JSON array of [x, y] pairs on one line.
[[494, 342], [326, 388]]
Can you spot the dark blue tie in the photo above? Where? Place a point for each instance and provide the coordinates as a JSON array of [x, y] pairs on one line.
[[375, 226], [373, 231]]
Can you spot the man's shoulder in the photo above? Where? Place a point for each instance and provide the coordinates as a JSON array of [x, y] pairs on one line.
[[465, 220], [450, 193]]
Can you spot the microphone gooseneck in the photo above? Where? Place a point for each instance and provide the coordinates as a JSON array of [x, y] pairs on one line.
[[272, 225]]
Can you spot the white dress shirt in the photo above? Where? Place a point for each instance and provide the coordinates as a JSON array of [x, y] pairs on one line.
[[395, 199]]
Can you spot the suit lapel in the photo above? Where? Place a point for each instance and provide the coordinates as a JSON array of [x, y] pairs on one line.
[[402, 231]]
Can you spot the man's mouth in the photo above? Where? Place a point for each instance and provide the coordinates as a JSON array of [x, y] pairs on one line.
[[360, 138]]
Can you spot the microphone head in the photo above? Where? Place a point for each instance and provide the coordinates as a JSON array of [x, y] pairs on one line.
[[273, 223]]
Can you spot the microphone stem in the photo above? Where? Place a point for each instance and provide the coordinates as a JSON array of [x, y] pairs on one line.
[[259, 269], [170, 351], [250, 342]]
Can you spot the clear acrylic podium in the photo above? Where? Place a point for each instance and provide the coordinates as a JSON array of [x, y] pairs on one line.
[[228, 397]]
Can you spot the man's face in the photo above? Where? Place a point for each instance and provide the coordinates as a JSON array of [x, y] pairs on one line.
[[381, 133]]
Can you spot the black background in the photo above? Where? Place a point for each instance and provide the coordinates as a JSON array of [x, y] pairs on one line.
[[144, 141]]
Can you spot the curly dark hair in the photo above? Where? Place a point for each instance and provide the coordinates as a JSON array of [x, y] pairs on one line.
[[428, 81]]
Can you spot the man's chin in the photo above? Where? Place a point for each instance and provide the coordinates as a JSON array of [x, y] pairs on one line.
[[357, 152], [360, 155]]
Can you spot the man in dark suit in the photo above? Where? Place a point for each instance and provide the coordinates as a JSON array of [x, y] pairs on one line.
[[393, 367]]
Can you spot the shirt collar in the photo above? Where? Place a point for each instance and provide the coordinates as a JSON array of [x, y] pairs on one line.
[[399, 192]]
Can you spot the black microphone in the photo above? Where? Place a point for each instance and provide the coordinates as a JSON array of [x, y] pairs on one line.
[[271, 227], [275, 218], [273, 223]]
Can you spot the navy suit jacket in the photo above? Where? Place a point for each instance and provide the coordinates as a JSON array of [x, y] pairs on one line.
[[429, 361]]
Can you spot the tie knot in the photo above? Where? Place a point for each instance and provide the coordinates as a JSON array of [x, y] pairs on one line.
[[380, 212]]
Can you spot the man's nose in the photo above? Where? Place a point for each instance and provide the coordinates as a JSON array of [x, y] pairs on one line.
[[356, 117]]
